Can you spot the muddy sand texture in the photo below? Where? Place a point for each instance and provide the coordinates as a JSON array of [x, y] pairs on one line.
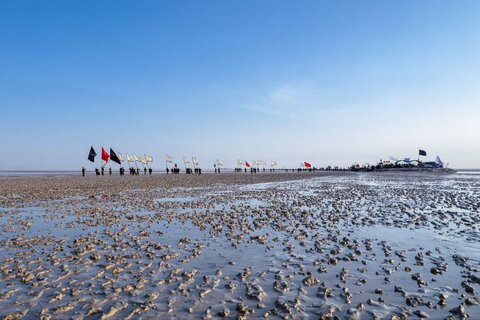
[[299, 245]]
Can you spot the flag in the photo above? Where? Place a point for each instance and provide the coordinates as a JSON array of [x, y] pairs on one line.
[[185, 160], [219, 163], [137, 159], [121, 157], [422, 152], [274, 163], [148, 158], [247, 164], [438, 161], [105, 155], [114, 157], [129, 158], [143, 161], [92, 154], [168, 158], [195, 161], [307, 165], [240, 163]]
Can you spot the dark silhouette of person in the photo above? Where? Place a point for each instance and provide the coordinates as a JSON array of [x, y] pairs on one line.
[[83, 171], [150, 171], [167, 170], [103, 171], [97, 172], [145, 171], [110, 170]]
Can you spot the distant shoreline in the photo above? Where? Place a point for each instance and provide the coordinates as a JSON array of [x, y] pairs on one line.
[[16, 173]]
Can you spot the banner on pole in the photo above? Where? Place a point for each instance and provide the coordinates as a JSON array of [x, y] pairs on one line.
[[114, 157], [105, 155], [92, 154]]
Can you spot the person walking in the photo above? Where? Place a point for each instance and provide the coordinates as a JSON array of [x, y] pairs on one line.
[[110, 170], [83, 171]]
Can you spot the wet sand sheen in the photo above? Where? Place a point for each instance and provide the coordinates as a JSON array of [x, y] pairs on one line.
[[352, 246]]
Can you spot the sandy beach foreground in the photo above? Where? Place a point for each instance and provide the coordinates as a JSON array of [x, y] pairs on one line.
[[283, 245]]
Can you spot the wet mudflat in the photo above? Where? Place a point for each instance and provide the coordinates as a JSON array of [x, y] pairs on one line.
[[340, 245]]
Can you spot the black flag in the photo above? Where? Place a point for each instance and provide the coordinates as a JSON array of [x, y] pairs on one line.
[[422, 152], [114, 157], [92, 154]]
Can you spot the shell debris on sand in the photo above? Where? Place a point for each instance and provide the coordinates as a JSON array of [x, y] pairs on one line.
[[289, 245]]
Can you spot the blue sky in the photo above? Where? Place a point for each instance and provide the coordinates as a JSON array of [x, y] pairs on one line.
[[329, 82]]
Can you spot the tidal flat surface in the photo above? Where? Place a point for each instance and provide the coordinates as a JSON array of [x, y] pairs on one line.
[[279, 246]]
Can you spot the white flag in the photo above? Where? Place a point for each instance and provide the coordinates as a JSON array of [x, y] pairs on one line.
[[144, 161], [148, 158], [137, 158], [195, 161], [121, 157], [168, 158], [219, 163], [129, 158], [240, 163], [438, 161], [274, 163], [185, 160]]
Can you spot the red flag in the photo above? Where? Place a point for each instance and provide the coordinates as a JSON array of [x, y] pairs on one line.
[[247, 164], [307, 165], [105, 155]]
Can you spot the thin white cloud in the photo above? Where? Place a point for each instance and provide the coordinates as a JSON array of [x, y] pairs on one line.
[[268, 110], [283, 101], [285, 95]]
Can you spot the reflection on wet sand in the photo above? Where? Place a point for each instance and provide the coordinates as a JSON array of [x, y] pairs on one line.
[[352, 246]]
